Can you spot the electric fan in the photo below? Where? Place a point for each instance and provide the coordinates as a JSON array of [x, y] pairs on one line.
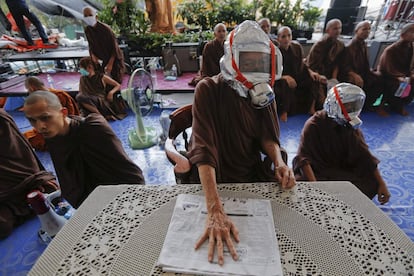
[[140, 98]]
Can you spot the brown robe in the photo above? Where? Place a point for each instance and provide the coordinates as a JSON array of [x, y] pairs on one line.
[[356, 60], [103, 44], [212, 53], [210, 66], [92, 91], [299, 99], [397, 61], [336, 152], [90, 155], [20, 173], [160, 12], [36, 139], [227, 133], [325, 56]]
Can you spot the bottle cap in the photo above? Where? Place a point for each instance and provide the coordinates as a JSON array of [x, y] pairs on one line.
[[37, 200]]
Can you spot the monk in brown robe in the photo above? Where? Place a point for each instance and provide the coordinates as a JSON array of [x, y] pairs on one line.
[[20, 173], [85, 151], [396, 65], [326, 56], [212, 52], [297, 90], [161, 15], [357, 64], [232, 125], [32, 84], [99, 93], [103, 45], [266, 27], [331, 149]]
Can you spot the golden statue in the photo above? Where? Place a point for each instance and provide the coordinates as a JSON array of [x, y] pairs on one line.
[[160, 14]]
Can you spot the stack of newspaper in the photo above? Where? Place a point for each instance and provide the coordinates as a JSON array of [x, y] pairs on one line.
[[258, 249]]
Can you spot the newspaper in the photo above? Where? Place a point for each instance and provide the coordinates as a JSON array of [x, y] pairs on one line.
[[258, 248]]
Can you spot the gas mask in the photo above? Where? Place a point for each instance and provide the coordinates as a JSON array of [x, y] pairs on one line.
[[344, 103], [251, 63]]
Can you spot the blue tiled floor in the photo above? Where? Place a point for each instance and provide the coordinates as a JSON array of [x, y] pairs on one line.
[[390, 139]]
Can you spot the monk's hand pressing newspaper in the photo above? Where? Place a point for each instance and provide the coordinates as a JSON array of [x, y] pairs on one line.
[[285, 176], [219, 229]]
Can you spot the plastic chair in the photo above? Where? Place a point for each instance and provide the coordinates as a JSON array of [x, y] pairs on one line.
[[181, 120]]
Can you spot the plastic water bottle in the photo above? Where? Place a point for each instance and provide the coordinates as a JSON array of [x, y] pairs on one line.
[[401, 89], [63, 208], [51, 222], [154, 77], [153, 66], [165, 122], [50, 81], [174, 71]]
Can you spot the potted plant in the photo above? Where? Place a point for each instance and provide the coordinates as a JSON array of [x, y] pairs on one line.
[[310, 17], [300, 18]]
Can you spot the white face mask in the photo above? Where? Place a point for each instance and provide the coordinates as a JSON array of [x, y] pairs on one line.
[[90, 20]]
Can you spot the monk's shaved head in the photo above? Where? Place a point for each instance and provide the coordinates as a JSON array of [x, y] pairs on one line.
[[407, 27], [362, 24], [88, 11], [333, 22], [51, 99], [33, 83], [283, 29]]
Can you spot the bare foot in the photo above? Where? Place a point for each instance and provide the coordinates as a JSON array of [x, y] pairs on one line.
[[283, 117], [403, 112], [110, 118], [380, 111]]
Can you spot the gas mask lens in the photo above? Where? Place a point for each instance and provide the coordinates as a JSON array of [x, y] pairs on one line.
[[353, 107], [254, 62]]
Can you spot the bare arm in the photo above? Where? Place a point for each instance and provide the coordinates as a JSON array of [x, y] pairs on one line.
[[218, 226], [383, 193], [116, 86], [283, 173], [317, 77], [108, 68], [308, 172], [335, 73]]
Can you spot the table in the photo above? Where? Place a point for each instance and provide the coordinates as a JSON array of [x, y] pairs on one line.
[[324, 228], [55, 54], [178, 86], [69, 81]]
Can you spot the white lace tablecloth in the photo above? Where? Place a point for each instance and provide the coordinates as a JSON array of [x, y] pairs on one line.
[[325, 228]]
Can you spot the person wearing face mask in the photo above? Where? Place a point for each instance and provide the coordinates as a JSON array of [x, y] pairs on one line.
[[103, 45], [358, 69], [99, 93], [332, 147], [234, 122]]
